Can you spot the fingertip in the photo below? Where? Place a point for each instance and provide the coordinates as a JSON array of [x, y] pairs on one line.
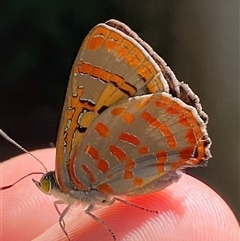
[[188, 209]]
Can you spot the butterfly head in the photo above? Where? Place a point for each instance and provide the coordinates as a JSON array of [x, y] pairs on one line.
[[47, 183]]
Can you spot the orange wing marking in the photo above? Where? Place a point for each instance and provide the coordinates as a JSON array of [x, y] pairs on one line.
[[87, 170], [113, 40], [190, 137], [138, 181], [147, 71], [129, 138], [155, 123], [143, 150], [92, 152], [103, 165], [134, 58], [143, 102], [123, 49], [97, 38], [117, 111], [161, 160], [187, 152], [182, 119], [75, 180], [187, 157], [118, 153], [126, 116], [102, 129], [128, 166], [105, 188]]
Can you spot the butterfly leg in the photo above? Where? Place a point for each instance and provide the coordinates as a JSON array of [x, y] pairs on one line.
[[88, 212], [130, 204], [62, 214]]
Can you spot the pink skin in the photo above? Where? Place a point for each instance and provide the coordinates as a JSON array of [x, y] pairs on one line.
[[189, 210]]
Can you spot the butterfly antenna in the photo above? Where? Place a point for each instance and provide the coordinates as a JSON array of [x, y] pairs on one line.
[[9, 139], [9, 186]]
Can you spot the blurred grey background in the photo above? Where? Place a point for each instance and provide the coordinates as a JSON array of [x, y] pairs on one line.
[[198, 39]]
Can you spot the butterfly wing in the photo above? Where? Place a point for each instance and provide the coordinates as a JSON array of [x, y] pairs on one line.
[[112, 64], [136, 146]]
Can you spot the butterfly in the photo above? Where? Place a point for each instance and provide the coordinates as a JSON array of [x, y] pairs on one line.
[[128, 126]]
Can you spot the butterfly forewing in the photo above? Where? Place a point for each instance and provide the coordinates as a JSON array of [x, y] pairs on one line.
[[109, 67]]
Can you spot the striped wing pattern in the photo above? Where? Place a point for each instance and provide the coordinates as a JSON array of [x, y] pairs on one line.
[[114, 141]]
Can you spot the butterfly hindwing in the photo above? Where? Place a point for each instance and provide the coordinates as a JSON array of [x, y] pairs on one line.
[[133, 144]]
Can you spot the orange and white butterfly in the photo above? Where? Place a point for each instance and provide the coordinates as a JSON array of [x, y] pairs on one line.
[[128, 126]]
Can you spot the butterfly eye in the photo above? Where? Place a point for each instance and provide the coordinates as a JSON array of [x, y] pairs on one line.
[[45, 185]]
